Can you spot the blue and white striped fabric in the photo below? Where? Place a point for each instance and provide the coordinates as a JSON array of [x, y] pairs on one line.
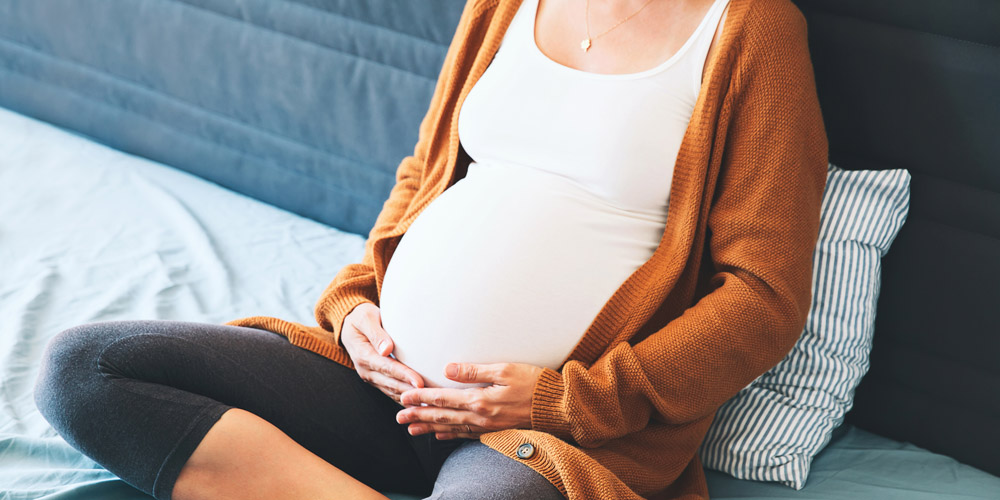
[[771, 429]]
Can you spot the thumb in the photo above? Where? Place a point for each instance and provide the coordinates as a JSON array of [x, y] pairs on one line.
[[382, 342], [472, 373], [377, 335]]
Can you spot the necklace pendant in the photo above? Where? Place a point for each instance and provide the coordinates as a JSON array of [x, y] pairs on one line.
[[585, 44]]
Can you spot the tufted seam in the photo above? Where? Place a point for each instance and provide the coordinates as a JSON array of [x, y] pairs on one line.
[[184, 103], [283, 169]]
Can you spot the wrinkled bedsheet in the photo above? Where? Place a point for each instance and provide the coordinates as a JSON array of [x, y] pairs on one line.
[[88, 233]]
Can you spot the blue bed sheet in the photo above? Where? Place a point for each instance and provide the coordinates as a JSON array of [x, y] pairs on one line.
[[88, 233]]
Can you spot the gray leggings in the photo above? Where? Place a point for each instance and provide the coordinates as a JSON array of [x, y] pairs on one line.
[[138, 396]]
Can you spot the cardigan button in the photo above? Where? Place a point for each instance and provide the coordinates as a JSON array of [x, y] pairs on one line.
[[526, 451]]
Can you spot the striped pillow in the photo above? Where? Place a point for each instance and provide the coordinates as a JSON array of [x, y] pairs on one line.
[[772, 428]]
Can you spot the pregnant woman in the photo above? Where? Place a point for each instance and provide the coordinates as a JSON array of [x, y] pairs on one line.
[[605, 231]]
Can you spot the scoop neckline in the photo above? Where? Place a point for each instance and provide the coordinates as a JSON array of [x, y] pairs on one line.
[[616, 76]]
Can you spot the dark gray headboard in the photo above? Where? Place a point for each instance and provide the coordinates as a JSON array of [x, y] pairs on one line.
[[311, 104], [916, 84]]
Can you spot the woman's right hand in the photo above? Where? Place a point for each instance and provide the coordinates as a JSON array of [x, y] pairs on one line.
[[369, 346]]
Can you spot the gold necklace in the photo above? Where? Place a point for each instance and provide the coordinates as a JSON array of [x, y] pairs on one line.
[[585, 44]]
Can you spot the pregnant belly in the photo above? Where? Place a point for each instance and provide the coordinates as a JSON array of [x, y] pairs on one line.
[[507, 265]]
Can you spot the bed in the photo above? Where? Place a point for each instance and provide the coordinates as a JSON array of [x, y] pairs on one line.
[[196, 179], [89, 233]]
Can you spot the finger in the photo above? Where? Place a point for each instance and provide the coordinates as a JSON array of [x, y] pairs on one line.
[[396, 370], [442, 436], [362, 353], [370, 360], [473, 373], [424, 428], [439, 416], [371, 327], [371, 379], [384, 383], [443, 397]]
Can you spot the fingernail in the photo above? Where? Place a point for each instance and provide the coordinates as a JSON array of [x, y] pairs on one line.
[[381, 345]]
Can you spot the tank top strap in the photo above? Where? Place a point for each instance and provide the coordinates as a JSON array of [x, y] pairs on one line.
[[699, 50]]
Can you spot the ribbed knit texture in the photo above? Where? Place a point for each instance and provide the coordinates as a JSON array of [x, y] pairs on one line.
[[623, 418]]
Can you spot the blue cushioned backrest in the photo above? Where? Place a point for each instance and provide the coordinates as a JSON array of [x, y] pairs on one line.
[[309, 105], [915, 84]]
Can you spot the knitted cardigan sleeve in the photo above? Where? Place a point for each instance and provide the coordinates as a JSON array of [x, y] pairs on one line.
[[355, 283], [762, 231]]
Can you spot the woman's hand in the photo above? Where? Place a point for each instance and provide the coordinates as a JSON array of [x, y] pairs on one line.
[[471, 412], [369, 344]]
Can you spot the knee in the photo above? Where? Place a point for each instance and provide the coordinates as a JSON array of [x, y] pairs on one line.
[[475, 471], [68, 363]]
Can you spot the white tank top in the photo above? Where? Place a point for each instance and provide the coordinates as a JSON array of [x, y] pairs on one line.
[[566, 197]]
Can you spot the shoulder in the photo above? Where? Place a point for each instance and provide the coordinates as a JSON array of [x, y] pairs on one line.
[[484, 8], [770, 37], [771, 55], [770, 20], [473, 12], [478, 16]]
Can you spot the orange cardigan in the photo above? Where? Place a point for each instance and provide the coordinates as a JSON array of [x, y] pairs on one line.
[[723, 298]]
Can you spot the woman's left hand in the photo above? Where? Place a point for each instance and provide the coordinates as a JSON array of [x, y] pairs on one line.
[[506, 404]]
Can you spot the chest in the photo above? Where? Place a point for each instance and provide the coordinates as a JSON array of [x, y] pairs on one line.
[[616, 135], [652, 34]]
